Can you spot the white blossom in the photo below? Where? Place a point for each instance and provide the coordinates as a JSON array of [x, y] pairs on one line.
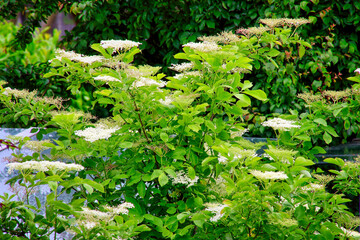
[[95, 214], [350, 232], [280, 124], [77, 57], [148, 82], [183, 178], [239, 133], [89, 59], [313, 187], [93, 134], [203, 46], [222, 159], [120, 209], [215, 208], [43, 166], [106, 78], [182, 67], [167, 101], [119, 44], [187, 74], [269, 175], [357, 70]]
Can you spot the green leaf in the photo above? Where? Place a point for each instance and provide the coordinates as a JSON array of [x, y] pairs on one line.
[[301, 161], [141, 228], [88, 188], [301, 51], [163, 179], [273, 52], [194, 127], [258, 94], [100, 49], [243, 100], [171, 210], [327, 138], [336, 161], [164, 137], [94, 184], [125, 144], [141, 189], [53, 186], [191, 172], [321, 121]]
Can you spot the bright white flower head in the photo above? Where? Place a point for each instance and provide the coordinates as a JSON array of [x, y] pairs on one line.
[[269, 175], [148, 82], [89, 59], [313, 187], [351, 233], [187, 74], [222, 159], [119, 44], [106, 78], [168, 101], [120, 209], [215, 208], [239, 133], [357, 70], [182, 67], [95, 214], [203, 46], [100, 132], [183, 178], [44, 166], [77, 57], [280, 124]]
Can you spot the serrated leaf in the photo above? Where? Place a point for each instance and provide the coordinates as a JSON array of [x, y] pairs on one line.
[[301, 51], [141, 189], [258, 94], [327, 138], [273, 52], [163, 179], [164, 137]]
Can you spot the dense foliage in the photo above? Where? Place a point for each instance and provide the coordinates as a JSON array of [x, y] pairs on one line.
[[171, 162]]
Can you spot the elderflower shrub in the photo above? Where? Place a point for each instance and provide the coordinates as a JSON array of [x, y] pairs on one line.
[[168, 142]]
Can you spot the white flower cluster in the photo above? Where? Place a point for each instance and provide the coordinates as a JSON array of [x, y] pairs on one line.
[[222, 159], [269, 175], [183, 178], [182, 67], [357, 70], [203, 46], [350, 233], [187, 74], [99, 132], [119, 44], [280, 124], [120, 209], [106, 78], [77, 57], [44, 166], [95, 214], [92, 217], [148, 82], [215, 208], [239, 133], [167, 101], [313, 187], [37, 146], [246, 153]]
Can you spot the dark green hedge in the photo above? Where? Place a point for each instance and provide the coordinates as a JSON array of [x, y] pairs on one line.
[[163, 26]]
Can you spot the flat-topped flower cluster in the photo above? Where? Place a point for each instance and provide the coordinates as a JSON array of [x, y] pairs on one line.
[[43, 166]]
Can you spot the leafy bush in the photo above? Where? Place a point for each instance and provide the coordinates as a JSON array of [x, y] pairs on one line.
[[171, 162]]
